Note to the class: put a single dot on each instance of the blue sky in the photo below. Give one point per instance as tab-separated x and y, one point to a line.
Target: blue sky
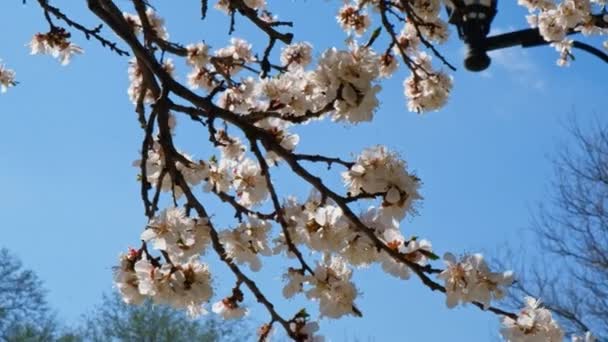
71	201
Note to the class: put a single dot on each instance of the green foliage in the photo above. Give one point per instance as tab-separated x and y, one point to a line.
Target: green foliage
113	320
25	317
24	313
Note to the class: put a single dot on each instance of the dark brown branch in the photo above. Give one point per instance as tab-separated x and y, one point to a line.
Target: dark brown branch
88	33
322	159
267	27
277	205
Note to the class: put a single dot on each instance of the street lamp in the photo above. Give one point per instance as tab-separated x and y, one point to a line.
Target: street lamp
473	19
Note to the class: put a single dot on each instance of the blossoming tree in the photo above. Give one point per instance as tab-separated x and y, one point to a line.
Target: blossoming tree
247	100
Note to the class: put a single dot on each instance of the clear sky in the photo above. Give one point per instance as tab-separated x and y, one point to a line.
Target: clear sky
70	200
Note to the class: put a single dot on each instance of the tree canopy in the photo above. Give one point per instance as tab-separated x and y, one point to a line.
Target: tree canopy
248	102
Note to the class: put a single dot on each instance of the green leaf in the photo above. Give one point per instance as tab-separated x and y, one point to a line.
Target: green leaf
374	36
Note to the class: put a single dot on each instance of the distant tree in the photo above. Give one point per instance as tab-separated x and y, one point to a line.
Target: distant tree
24	312
572	230
114	320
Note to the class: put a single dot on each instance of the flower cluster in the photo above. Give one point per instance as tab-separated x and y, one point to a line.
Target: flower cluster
138	90
555	21
304	329
157	24
297	55
533	324
55	43
182	286
378	171
179	236
244	243
229	307
182	282
470	280
7	78
352	19
333	288
425	89
343	80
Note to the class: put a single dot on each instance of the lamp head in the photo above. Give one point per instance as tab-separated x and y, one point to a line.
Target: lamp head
472	19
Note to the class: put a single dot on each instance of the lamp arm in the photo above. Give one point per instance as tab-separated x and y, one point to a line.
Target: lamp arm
525	38
591	49
531	37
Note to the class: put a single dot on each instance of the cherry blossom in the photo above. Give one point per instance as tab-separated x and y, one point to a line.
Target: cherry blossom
378	171
168	228
295	282
533	324
556	20
305	330
246	242
351	18
56	44
296	55
249	183
125	279
426	90
332	288
229	309
7	78
198	54
182	286
470	280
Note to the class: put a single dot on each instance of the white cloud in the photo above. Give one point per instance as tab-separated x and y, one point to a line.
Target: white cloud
514	59
517	62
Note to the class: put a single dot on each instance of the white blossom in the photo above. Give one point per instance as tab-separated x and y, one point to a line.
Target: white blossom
219	176
229	309
533	324
565	51
240	98
125	279
297	55
201	78
231	147
333	289
182	286
292	93
470	280
351	19
295	282
228	58
425	89
246	242
198	54
157	24
306	331
167	228
378	171
278	129
7	78
388	64
249	183
56	44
